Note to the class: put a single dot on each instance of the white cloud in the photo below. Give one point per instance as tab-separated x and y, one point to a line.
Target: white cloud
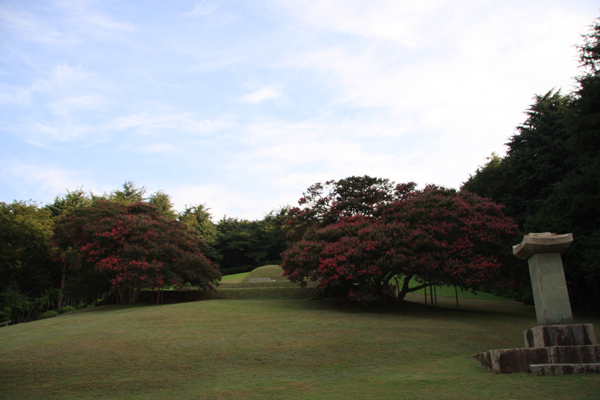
48	181
28	27
261	95
67	106
221	200
201	9
41	134
156	148
144	123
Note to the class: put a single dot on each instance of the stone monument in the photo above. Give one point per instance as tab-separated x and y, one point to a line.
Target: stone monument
542	252
555	346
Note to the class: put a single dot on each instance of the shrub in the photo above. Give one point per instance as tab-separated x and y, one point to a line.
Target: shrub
527	299
49	314
66	309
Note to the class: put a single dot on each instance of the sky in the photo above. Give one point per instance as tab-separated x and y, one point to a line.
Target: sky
242	105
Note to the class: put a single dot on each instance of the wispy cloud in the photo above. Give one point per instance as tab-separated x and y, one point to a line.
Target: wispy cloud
261	95
156	148
26	26
144	123
204	8
48	180
43	134
69	105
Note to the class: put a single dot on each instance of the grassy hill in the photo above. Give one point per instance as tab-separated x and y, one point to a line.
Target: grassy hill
276	349
240	287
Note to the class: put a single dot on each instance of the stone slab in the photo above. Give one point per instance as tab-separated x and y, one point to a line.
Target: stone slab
550	295
561	369
544	242
560	335
503	361
574	354
519	360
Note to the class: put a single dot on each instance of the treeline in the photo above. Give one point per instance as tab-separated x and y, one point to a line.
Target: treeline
549	179
44	250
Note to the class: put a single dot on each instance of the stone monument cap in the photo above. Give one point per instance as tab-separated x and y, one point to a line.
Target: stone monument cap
544	242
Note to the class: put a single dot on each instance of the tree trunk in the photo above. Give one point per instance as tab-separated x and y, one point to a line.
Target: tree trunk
63	274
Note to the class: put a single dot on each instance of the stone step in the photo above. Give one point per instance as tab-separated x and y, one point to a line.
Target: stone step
519	360
561	369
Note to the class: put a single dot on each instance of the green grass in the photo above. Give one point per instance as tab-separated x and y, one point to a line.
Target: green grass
234	278
268	271
449	291
276	349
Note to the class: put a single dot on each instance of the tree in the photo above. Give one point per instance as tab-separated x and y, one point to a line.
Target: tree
69	202
66	258
130	194
243	245
26	268
437	236
163	204
124	248
324	204
199	219
537	159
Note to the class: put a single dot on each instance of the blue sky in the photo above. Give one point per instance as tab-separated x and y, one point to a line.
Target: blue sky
241	105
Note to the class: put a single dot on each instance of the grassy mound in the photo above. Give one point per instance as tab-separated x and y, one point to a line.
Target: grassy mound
240	286
223	349
268	271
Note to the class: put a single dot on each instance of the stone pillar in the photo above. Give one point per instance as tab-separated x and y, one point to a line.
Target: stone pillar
542	251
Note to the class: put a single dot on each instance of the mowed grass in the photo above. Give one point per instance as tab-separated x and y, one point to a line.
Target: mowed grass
276	349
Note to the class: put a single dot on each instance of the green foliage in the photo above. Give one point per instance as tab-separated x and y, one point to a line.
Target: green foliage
243	245
27	270
66	309
129	194
5	314
163	204
199	220
24	255
49	314
69	202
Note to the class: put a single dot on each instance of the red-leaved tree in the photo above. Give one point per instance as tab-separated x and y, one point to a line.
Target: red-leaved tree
436	236
130	247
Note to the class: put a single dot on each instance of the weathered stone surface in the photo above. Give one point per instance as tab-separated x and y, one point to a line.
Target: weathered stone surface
518	360
560	335
550	295
560	369
512	360
544	242
574	354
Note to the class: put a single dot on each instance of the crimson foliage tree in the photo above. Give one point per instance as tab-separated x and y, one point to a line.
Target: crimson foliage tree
124	248
324	204
436	236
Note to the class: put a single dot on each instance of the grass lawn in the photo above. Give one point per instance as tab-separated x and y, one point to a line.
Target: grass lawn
239	286
276	349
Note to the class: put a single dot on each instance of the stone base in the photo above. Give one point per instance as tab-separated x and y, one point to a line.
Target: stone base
561	369
519	360
560	335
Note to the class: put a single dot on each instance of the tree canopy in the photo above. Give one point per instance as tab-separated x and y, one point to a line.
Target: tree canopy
124	248
435	235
